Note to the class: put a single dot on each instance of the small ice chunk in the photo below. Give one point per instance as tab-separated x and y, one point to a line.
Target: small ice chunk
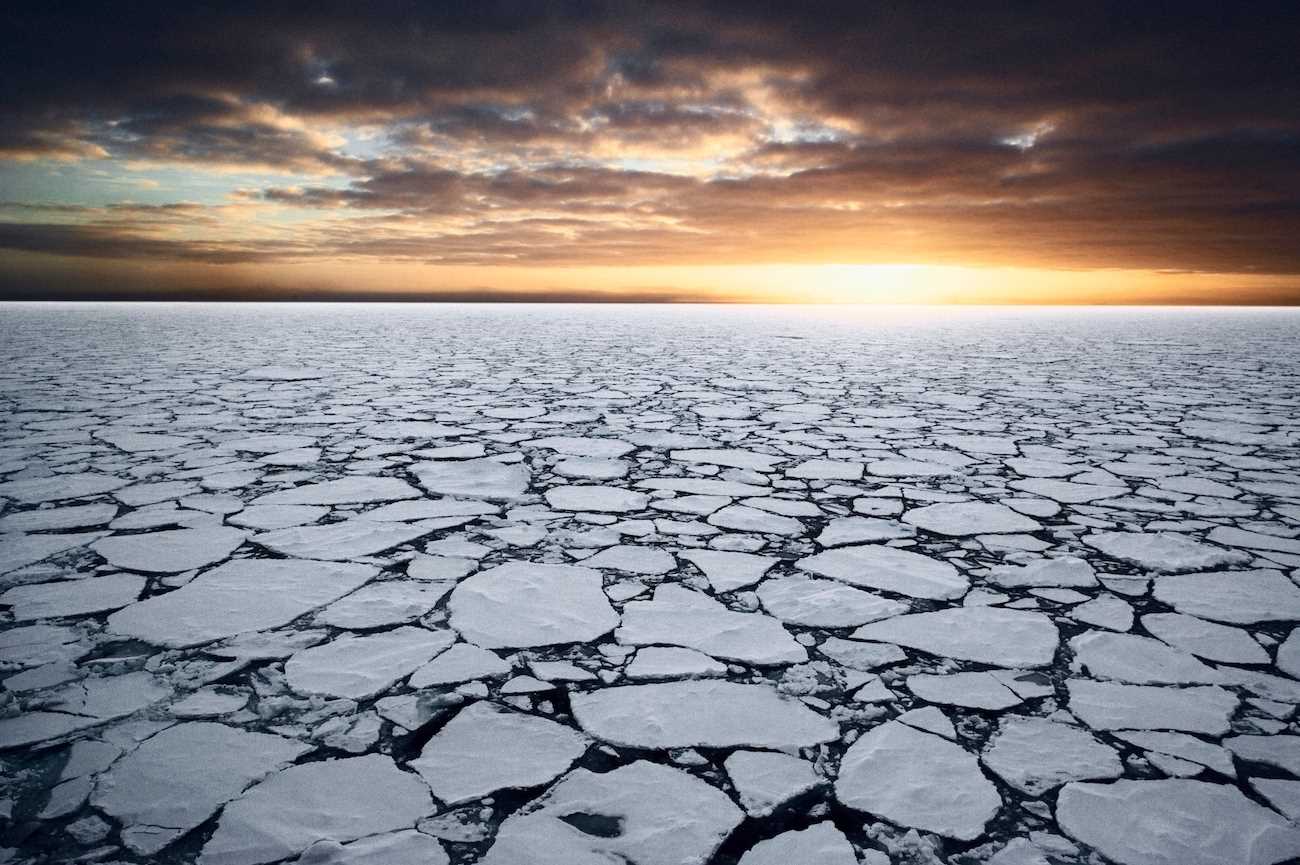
1105	611
583	446
862	530
277	516
976	690
58	519
1184	747
18	550
209	703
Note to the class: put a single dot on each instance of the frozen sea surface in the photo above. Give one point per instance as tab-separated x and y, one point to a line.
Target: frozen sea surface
619	585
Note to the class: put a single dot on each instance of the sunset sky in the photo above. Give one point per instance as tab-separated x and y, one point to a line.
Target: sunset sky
913	152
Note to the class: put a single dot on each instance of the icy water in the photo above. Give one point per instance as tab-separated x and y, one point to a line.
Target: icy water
571	585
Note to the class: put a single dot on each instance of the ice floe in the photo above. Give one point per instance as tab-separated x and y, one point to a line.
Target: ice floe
987	635
241	596
889	569
335	800
486	748
522	604
919	780
701	713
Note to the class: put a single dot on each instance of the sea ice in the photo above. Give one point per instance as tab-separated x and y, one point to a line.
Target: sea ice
889	569
1175	822
681	617
986	635
1112	706
1208	640
595	498
1163	552
179	777
486	748
699	713
238	597
821	843
1139	660
353	489
521	604
918	780
1035	754
672	662
461	663
638	814
766	780
1065	571
338	800
728	571
474	479
74	485
959	519
169	552
1236	597
824	603
73	597
361	667
346	539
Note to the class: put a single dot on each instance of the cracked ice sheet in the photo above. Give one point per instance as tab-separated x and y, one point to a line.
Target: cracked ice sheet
1076	475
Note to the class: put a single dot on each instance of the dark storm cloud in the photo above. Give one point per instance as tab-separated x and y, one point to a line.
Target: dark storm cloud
1080	135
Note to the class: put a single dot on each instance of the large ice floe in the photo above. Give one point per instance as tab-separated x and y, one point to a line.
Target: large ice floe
630	586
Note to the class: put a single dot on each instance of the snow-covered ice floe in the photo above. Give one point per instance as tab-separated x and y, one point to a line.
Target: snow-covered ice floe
649	586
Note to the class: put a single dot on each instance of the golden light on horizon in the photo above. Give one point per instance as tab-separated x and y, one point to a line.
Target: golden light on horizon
674	154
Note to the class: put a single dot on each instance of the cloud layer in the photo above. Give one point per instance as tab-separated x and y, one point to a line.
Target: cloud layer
585	133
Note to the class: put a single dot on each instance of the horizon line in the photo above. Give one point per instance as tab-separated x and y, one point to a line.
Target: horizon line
606	301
